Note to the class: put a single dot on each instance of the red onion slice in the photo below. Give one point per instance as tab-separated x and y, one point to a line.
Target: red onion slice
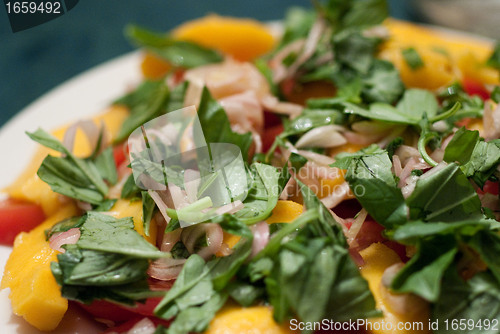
260	237
69	237
166	269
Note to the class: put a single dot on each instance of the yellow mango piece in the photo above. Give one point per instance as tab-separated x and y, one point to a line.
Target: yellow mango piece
246	320
29	187
124	208
377	258
285	212
34	293
446	57
243	39
153	67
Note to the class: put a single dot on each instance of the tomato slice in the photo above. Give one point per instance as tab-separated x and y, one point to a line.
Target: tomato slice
104	309
119	154
490	187
474	87
269	136
18	216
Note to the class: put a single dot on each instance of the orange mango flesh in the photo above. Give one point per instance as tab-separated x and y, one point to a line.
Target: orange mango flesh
34	293
29	187
446	57
283	212
125	208
243	39
246	320
377	258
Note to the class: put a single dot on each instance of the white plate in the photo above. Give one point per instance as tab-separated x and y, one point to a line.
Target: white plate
78	98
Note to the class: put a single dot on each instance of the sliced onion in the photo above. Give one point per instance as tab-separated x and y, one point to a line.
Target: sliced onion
244	109
179	196
69	237
213	234
491	120
91	132
316	157
272	103
85	206
165	269
396	165
323	136
357	223
280	71
160	203
324	172
337	196
170	239
145	326
260	237
231	208
360	138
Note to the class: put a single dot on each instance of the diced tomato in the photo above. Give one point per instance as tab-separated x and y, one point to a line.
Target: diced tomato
125	327
271	119
489	187
473	87
269	136
104	309
119	153
18	216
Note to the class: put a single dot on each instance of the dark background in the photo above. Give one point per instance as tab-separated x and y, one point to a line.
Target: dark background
38	59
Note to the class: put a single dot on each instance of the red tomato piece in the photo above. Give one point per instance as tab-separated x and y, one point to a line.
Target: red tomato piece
269	136
473	87
489	187
18	216
119	154
104	309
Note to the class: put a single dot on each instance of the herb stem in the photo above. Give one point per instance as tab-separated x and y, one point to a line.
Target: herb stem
422	144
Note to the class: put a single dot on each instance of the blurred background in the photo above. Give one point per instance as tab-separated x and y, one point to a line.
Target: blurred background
34	61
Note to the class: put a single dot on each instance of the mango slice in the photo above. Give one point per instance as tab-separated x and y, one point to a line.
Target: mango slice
243	39
29	187
34	293
246	320
285	212
379	257
125	208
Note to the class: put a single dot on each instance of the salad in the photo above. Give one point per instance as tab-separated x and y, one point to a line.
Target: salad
336	173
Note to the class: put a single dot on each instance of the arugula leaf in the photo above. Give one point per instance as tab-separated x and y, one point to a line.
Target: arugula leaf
477	299
412	58
245	294
178	53
262	195
458	200
210	113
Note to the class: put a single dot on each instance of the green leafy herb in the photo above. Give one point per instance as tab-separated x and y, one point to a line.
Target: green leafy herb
494	60
412	58
262	195
178	53
71	176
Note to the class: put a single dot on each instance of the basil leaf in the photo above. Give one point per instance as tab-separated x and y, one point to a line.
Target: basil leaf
446	196
147	101
103	233
477	299
148	208
494	59
105	164
178	53
422	275
210	113
461	146
262	195
373	184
